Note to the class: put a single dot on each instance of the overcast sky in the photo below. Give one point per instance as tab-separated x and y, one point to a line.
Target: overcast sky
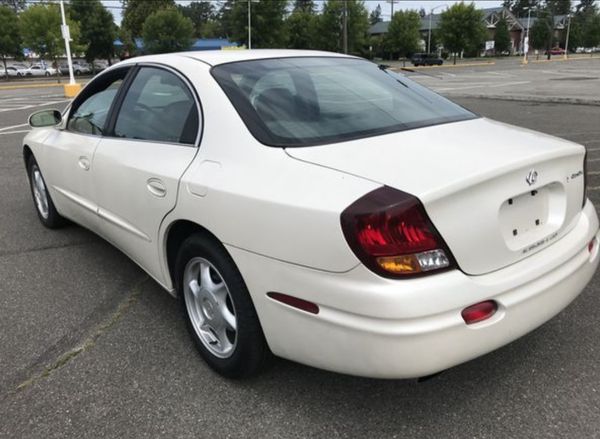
114	6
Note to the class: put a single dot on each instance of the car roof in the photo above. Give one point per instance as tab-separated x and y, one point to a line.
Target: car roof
216	57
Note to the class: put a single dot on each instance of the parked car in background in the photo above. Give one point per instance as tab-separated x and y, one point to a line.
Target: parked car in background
100	66
40	70
556	51
20	69
79	68
426	59
10	71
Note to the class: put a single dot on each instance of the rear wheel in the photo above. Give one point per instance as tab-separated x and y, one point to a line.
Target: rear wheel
47	73
44	206
219	311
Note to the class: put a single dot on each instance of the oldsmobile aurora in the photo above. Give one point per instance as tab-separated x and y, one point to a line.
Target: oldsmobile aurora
320	208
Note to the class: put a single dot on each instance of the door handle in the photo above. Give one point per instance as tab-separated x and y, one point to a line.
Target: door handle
156	187
84	163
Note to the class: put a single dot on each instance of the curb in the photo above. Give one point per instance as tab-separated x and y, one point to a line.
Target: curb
20	86
538	61
445	66
535	99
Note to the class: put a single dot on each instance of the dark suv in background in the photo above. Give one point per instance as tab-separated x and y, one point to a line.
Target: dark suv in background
426	59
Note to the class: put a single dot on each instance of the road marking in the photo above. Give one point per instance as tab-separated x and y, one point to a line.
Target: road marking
33	106
14	132
14	126
506	84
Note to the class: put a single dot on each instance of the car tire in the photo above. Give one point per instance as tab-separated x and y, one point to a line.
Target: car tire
44	206
219	312
77	72
47	74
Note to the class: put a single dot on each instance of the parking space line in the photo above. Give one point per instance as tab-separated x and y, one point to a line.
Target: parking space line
14	126
2	110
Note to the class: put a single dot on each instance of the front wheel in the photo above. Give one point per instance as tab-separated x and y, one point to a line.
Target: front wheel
47	73
44	205
219	312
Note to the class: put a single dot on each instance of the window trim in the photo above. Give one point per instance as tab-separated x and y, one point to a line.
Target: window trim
118	103
83	96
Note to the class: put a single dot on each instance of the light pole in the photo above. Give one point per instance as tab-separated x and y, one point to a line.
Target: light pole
526	40
429	34
567	40
249	22
72	88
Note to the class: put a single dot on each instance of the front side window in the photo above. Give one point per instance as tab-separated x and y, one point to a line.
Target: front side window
90	111
315	100
158	106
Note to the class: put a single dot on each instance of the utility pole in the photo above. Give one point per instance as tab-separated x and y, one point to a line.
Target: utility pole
567	41
391	2
250	22
345	33
526	40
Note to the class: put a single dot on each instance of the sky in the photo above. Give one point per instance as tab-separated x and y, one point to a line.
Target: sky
114	6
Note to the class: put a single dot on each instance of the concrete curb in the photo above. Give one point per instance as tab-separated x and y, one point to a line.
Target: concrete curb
453	66
535	99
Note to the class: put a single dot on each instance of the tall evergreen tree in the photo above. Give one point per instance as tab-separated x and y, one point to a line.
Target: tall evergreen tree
201	13
520	7
375	15
302	26
267	20
330	27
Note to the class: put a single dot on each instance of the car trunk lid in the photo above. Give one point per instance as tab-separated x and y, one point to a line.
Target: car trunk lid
496	193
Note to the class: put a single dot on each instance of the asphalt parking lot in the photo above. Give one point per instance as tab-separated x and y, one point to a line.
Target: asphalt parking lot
91	347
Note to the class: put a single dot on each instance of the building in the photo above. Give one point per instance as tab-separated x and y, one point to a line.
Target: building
517	26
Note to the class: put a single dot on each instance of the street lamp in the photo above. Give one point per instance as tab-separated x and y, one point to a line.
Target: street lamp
526	40
429	35
72	88
250	23
567	41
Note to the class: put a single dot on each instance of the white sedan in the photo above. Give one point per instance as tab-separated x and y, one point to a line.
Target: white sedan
320	208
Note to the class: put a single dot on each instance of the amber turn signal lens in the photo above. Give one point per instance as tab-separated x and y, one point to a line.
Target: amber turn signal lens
399	264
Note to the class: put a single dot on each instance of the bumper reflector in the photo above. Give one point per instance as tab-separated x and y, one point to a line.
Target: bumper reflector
479	312
304	305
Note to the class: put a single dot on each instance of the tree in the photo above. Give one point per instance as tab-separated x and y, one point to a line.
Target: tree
304	6
167	30
542	32
519	7
135	13
586	7
15	5
502	40
97	29
403	35
302	26
41	30
591	31
330	27
375	15
10	37
201	13
268	26
461	28
558	7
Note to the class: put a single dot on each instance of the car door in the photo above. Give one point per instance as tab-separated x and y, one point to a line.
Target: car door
69	150
137	168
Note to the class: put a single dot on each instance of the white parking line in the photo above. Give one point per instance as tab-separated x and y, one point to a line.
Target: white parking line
14	126
2	110
14	132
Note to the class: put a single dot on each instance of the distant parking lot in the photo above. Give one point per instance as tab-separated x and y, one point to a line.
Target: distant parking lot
91	347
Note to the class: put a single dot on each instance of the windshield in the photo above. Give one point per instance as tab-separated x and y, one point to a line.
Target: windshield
290	102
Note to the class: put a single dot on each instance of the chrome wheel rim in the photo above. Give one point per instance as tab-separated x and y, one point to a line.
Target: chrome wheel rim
39	192
210	307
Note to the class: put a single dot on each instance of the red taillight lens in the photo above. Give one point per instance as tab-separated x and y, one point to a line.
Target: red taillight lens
479	312
585	161
390	232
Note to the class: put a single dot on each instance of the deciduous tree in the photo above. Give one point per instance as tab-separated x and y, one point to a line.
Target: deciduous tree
137	11
10	36
97	28
502	40
268	27
167	30
461	28
403	36
201	13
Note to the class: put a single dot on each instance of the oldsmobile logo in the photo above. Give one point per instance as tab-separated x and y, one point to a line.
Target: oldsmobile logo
531	177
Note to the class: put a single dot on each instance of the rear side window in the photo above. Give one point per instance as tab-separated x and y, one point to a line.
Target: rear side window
158	106
309	101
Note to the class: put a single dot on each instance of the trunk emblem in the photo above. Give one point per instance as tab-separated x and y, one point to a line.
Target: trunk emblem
531	177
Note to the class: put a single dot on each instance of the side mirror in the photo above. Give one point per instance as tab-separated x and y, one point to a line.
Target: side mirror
45	118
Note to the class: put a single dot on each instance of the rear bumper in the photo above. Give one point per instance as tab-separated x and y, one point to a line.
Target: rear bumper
376	327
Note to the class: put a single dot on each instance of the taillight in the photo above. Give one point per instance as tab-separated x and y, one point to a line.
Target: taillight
585	181
390	232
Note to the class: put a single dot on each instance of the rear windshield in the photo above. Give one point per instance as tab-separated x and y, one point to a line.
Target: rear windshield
290	102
